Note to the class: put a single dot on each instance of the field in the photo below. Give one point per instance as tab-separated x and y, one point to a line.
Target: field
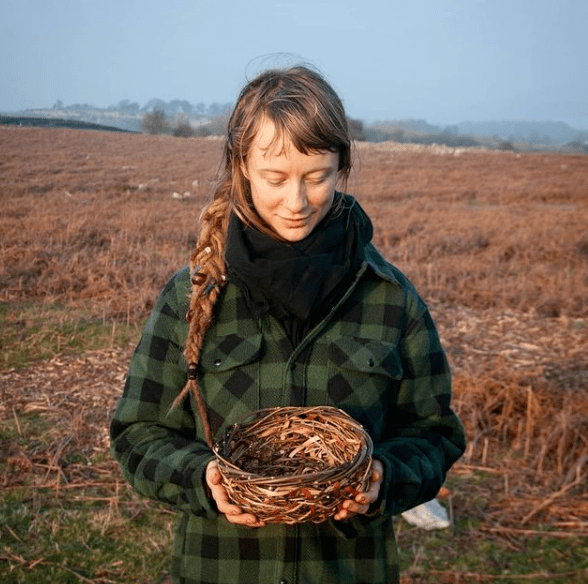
93	224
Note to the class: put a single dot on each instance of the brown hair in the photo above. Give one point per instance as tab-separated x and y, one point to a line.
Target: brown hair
306	111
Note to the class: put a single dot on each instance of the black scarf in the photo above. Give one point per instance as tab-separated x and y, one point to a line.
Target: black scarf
293	280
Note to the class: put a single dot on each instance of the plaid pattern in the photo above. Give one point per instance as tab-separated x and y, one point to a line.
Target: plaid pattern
376	356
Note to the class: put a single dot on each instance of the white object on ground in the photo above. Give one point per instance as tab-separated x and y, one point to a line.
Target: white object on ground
429	515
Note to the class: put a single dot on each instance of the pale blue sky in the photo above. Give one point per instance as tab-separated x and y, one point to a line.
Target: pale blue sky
444	61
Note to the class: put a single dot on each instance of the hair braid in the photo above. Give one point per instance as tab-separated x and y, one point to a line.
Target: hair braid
208	276
305	110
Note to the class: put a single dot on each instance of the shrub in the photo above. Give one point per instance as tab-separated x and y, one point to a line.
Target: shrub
216	127
183	129
155	122
507	145
356	129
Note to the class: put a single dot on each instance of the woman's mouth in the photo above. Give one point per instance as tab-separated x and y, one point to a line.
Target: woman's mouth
295	220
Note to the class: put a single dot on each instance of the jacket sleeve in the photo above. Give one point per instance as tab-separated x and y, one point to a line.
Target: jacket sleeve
158	448
424	436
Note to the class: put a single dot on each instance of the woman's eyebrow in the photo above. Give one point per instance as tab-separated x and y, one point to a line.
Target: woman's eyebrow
312	171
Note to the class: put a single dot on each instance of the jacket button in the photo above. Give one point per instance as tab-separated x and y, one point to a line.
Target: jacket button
217	362
283	582
370	362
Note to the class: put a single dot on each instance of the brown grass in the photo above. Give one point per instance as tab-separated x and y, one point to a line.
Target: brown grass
496	242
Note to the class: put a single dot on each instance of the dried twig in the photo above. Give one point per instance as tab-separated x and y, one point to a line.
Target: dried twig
481	577
580	479
531	532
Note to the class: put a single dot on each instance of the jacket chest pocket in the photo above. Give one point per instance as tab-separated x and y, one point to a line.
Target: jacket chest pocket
229	378
364	375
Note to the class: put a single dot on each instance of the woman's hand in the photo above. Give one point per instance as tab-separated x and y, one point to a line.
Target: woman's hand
362	501
232	512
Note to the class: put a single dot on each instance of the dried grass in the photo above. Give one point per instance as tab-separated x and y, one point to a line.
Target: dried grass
495	241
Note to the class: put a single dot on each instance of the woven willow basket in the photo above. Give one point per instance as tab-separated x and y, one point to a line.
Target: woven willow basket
294	464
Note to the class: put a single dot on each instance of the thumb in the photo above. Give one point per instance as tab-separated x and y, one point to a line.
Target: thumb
213	474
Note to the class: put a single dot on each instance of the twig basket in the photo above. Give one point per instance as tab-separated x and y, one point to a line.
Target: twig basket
294	464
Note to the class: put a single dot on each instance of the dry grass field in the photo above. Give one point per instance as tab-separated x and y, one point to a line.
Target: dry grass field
91	226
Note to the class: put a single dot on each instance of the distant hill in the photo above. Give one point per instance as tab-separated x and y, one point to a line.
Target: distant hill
127	121
533	132
126	115
56	123
525	136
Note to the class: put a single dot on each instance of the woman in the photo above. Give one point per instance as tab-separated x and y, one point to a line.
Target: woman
286	302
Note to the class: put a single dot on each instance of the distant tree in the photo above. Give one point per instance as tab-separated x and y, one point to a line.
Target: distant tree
218	109
80	107
154	104
356	129
177	105
214	109
451	130
507	145
186	106
183	129
398	136
203	131
126	106
382	134
155	122
173	107
216	127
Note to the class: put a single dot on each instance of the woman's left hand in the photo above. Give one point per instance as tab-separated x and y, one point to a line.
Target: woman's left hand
362	501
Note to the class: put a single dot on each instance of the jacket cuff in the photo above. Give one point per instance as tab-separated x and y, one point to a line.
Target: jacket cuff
198	494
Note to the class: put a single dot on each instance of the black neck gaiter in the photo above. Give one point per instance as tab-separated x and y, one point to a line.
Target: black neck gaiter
292	280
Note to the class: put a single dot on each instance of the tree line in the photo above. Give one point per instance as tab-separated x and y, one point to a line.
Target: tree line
173	107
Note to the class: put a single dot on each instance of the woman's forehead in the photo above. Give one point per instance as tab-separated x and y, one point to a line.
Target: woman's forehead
272	142
269	141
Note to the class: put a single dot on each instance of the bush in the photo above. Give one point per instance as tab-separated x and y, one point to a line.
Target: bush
183	128
507	146
155	122
356	129
216	127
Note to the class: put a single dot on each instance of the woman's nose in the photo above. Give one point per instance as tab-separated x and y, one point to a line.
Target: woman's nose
295	200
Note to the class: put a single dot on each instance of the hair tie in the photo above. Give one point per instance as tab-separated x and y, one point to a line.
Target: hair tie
198	279
192	370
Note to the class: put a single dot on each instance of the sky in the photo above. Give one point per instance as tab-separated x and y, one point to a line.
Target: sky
442	61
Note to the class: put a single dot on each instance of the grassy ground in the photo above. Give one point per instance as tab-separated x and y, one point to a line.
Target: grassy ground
33	331
66	514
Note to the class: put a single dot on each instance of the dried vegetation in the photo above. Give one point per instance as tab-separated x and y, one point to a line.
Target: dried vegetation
495	241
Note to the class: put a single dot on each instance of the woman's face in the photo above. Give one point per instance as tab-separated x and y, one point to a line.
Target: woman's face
291	191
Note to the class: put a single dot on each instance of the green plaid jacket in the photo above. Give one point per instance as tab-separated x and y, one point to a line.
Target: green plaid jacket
376	355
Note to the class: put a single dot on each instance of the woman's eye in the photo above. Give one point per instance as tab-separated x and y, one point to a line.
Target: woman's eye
317	181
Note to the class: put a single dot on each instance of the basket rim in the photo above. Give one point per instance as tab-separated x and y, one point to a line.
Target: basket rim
365	451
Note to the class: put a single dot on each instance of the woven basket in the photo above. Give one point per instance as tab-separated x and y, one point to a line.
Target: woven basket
294	464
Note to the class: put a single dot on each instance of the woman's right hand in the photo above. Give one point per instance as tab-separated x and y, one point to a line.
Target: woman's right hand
232	512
